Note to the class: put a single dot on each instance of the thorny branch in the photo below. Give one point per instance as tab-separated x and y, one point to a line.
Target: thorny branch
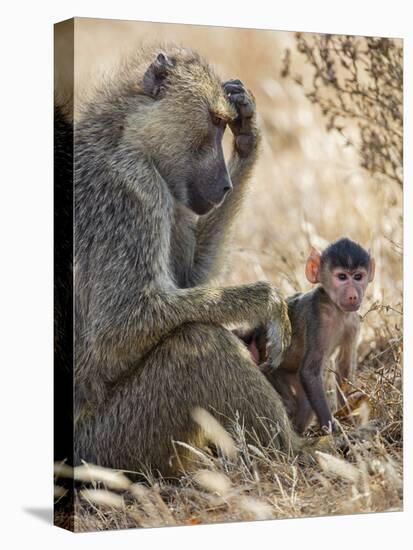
360	79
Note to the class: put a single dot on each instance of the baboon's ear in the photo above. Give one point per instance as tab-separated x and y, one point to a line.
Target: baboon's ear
155	75
312	267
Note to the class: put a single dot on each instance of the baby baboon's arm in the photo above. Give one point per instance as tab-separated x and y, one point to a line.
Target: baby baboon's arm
213	229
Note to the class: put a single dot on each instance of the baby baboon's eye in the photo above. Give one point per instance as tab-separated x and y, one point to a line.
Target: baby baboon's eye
358	276
342	276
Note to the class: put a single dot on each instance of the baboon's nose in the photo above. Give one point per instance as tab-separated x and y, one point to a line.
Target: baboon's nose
227	189
352	298
222	187
227	186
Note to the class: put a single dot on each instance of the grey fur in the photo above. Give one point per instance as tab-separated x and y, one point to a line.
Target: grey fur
150	342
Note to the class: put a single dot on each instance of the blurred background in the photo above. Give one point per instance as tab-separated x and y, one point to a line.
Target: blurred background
309	186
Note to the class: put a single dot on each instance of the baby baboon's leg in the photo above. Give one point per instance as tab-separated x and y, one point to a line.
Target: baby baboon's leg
304	410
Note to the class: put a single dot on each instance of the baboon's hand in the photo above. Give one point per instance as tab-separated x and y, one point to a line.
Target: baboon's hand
278	335
277	322
244	127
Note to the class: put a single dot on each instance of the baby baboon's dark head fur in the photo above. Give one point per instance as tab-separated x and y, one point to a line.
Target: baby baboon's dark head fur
182	126
345	253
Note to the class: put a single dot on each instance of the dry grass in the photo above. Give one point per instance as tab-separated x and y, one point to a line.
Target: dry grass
255	484
308	189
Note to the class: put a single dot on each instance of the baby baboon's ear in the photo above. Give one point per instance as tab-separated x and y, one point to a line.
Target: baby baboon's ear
156	74
312	267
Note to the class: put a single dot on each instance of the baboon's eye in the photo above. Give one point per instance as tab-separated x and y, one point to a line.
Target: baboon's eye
358	276
216	120
342	276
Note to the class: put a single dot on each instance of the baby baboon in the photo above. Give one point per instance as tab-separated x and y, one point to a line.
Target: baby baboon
323	320
154	204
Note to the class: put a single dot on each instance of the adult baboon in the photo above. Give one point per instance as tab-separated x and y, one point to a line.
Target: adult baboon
154	203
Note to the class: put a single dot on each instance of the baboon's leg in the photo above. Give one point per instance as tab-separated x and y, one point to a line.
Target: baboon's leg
282	381
295	400
198	365
304	410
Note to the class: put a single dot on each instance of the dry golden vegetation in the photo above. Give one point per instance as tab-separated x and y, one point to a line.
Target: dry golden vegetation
309	188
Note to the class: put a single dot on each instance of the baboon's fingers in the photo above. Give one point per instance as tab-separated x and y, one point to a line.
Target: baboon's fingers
238	94
234	89
244	104
240	98
233	83
243	127
278	339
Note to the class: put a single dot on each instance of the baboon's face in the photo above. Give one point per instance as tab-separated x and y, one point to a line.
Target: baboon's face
193	164
207	179
346	287
190	116
343	278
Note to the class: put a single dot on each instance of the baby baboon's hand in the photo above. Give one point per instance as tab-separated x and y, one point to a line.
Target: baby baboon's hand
244	127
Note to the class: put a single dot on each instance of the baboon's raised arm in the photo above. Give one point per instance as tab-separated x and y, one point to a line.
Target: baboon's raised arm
214	229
